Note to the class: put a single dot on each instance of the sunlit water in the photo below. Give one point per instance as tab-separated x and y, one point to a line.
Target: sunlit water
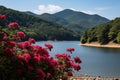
95	61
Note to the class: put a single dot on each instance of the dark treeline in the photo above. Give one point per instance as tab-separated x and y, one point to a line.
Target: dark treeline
36	27
103	33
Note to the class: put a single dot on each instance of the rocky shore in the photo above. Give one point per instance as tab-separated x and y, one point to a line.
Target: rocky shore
96	44
86	77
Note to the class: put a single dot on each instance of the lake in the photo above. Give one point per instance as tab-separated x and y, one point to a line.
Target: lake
95	61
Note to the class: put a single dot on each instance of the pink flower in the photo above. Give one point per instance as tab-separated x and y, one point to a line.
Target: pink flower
37	48
48	74
20	45
70	49
40	73
21	34
77	59
21	57
63	56
26	44
68	63
44	52
9	51
2	17
5	37
31	40
49	46
11	44
13	25
14	36
27	57
76	66
36	58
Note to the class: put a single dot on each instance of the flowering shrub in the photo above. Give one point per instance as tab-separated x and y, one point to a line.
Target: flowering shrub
21	60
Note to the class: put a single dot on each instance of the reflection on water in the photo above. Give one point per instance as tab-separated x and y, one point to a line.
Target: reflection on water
96	61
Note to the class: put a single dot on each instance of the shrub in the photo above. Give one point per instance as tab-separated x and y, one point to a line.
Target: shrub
21	60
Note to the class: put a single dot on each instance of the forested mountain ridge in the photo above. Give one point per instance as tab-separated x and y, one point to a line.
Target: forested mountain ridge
74	20
38	28
103	33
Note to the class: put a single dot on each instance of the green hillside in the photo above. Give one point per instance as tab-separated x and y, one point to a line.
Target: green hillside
73	20
36	27
103	33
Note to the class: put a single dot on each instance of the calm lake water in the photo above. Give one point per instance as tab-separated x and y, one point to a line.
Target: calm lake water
95	61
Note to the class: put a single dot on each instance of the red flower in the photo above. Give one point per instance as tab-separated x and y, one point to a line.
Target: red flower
2	17
49	46
30	68
9	51
63	56
11	44
76	66
13	25
70	49
40	73
31	40
77	59
26	44
21	57
36	59
21	34
27	57
48	74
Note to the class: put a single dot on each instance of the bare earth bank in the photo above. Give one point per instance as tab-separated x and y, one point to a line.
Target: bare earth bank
96	44
86	77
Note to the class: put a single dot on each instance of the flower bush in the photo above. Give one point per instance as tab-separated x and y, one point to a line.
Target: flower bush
21	60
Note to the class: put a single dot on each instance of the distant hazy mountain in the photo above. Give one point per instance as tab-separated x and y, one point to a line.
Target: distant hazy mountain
74	20
36	27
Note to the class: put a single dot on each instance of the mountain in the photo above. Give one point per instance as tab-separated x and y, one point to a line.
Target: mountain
74	20
36	27
53	18
30	13
104	33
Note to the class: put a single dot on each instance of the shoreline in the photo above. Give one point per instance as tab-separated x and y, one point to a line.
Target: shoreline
87	77
90	77
96	44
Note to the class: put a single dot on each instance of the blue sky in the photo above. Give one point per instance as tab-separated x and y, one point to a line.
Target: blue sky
106	8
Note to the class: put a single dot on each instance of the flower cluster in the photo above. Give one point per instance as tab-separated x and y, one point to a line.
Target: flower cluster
70	50
21	60
13	25
2	17
66	64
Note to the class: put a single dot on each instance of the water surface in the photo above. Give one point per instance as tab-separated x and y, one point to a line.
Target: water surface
95	61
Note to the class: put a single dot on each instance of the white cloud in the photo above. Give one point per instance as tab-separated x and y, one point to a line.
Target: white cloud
89	11
73	9
48	9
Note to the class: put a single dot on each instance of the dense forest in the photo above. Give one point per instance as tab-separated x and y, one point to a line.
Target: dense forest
74	20
36	27
103	33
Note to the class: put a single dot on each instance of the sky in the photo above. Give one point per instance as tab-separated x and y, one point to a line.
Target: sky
106	8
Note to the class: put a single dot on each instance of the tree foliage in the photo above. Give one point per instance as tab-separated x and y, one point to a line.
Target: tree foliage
36	27
103	33
73	20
